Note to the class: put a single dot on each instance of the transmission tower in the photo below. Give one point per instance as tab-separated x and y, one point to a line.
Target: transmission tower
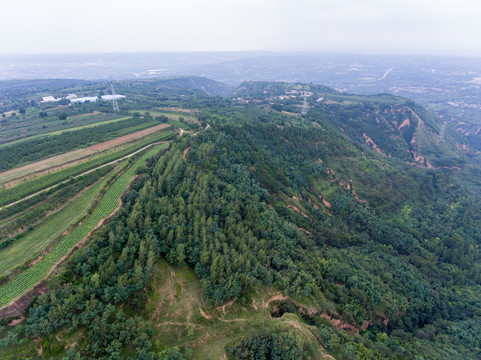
115	104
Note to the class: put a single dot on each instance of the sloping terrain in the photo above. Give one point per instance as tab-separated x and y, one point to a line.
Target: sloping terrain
392	126
210	87
272	234
175	85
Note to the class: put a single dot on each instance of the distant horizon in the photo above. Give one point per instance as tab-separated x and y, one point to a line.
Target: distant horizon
219	65
266	52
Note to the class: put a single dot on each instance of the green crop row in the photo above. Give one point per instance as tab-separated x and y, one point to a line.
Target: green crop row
32	186
27	248
28	278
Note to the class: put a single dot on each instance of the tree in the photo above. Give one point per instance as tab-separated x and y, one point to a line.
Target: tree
163	119
180	253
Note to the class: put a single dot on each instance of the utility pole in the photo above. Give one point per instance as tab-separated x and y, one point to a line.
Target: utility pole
115	104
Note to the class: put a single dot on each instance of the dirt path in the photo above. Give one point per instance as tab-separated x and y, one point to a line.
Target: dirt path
57	162
40	348
95	112
204	315
232	320
175	323
185	152
223	307
279	297
177	109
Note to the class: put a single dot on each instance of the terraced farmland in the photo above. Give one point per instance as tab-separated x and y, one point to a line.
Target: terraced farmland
109	202
61	131
23	189
36	149
40	238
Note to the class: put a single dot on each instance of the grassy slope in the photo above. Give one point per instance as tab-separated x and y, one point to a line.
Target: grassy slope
174	306
39	239
174	116
109	202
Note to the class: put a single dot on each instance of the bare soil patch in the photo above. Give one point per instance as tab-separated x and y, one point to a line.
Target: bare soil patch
204	315
279	297
223	307
185	152
17	321
406	122
95	112
304	230
18	306
296	209
371	143
40	348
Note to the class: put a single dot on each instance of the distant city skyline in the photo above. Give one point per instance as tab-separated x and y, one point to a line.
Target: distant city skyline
427	27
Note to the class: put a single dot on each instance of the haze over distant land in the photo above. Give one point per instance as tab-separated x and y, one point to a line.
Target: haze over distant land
394	26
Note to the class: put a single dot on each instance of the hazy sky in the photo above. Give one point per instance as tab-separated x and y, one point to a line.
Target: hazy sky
394	26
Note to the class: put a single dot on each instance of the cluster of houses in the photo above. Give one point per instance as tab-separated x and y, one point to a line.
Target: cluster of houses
288	94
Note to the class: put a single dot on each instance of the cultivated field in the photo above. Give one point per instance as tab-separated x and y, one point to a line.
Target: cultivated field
58	132
7	178
35	242
108	204
40	183
30	126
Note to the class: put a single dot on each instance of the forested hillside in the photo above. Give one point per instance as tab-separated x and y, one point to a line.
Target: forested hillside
370	248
